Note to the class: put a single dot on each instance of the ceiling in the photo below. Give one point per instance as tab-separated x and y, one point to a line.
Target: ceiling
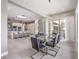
15	11
43	7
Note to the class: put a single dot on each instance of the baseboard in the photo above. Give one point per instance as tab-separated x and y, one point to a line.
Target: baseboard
4	53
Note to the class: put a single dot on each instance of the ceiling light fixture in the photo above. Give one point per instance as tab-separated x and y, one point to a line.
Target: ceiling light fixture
21	16
49	1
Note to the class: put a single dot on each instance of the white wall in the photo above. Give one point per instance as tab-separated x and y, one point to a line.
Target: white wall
3	27
70	28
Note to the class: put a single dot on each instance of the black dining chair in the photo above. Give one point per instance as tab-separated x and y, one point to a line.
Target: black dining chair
53	44
37	45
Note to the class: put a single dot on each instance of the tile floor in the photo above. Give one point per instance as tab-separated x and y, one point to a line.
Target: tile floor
22	49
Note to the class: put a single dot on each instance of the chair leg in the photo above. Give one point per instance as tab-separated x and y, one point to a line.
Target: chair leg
42	56
56	48
54	51
35	54
32	57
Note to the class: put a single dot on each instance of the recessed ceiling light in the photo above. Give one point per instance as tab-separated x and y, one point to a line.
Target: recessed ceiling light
8	8
22	16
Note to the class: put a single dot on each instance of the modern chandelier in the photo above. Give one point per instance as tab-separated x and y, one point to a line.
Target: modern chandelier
49	1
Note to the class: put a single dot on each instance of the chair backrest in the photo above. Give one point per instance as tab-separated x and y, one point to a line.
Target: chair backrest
34	43
54	41
57	38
